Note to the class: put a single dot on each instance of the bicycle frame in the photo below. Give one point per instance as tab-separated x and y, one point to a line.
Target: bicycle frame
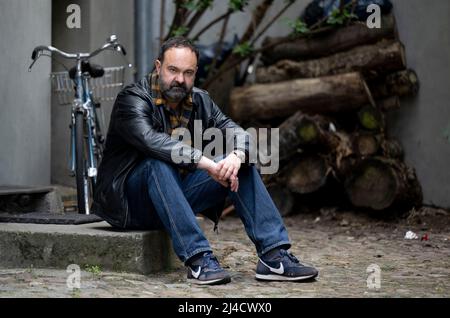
84	103
86	138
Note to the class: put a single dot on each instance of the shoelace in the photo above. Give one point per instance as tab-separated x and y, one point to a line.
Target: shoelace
290	256
210	261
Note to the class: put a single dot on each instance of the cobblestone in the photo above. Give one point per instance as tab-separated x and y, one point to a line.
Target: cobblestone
342	251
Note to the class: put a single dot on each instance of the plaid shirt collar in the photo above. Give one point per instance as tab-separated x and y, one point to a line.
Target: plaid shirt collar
159	100
176	120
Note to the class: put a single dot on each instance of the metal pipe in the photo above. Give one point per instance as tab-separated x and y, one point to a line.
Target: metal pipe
143	37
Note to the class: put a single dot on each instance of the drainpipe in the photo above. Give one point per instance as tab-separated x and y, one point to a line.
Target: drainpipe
143	37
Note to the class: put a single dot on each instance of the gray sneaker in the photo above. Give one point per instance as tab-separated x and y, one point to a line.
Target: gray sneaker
206	270
280	265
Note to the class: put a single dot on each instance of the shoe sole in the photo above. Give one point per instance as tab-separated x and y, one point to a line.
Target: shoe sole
219	281
283	278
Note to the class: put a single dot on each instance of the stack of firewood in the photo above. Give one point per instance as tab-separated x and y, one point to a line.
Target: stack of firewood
329	95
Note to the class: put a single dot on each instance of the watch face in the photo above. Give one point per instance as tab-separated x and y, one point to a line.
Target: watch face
197	157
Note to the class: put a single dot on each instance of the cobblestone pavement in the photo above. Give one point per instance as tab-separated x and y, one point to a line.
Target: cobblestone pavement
340	245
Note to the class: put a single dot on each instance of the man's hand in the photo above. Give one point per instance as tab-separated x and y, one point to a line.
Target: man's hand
219	171
212	169
228	170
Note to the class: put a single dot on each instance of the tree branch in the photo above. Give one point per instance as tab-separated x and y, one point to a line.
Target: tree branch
193	21
239	60
268	25
211	23
219	47
258	16
178	18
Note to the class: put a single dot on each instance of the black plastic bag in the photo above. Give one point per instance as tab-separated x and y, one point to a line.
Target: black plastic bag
207	54
320	9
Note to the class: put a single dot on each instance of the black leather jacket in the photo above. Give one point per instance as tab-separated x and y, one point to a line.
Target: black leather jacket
137	130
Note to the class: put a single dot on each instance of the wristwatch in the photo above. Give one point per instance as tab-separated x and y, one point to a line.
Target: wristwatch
240	154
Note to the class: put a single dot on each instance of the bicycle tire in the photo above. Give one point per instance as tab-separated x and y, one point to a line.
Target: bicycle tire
84	188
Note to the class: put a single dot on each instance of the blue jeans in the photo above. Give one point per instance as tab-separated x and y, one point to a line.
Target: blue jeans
159	198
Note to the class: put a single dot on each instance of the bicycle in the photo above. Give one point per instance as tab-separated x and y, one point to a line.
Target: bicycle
73	87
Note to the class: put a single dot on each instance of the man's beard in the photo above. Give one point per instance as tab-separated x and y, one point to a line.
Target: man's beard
174	92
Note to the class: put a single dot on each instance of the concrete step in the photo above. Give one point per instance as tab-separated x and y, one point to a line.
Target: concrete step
23	199
94	244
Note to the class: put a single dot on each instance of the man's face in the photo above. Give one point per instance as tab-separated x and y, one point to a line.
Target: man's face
177	73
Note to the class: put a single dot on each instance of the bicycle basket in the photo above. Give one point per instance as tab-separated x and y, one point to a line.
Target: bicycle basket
103	88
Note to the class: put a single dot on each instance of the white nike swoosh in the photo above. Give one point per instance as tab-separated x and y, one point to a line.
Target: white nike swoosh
197	273
279	270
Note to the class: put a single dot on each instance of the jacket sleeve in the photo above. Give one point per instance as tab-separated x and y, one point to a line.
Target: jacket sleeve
135	125
240	139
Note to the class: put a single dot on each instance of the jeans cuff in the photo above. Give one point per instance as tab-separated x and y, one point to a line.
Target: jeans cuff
195	252
271	247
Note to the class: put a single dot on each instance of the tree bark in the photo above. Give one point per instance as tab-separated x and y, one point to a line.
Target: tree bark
329	94
392	148
380	183
403	83
335	41
371	60
388	104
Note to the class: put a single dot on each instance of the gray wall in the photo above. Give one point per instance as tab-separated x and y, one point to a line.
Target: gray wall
99	19
422	124
25	97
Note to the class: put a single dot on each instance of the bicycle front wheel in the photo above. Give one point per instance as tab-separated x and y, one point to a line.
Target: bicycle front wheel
84	182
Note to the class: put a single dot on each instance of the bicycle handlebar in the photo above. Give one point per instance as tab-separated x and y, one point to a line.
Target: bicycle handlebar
111	43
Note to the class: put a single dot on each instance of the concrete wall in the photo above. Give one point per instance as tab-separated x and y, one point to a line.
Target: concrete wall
24	96
423	122
99	19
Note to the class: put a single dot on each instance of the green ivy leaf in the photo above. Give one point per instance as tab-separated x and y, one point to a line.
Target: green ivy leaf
237	5
298	26
244	49
339	18
180	31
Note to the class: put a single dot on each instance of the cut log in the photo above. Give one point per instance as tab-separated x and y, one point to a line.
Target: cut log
392	148
366	144
371	118
309	173
403	83
371	60
282	197
331	94
338	40
302	130
380	183
388	104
